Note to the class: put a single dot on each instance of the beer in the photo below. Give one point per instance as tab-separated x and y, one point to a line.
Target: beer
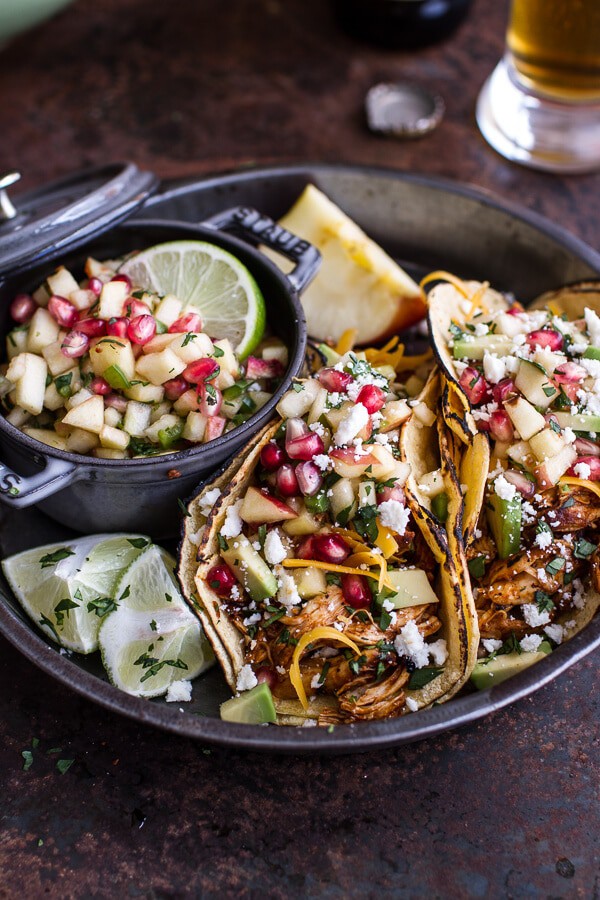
555	47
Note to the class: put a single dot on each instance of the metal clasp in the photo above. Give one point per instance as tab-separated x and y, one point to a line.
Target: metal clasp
7	209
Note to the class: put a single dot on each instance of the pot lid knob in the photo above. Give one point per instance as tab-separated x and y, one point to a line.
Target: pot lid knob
7	209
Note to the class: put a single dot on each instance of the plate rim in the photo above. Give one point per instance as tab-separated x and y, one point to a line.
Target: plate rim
359	737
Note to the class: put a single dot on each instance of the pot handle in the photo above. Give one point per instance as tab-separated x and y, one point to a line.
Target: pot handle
20	491
256	229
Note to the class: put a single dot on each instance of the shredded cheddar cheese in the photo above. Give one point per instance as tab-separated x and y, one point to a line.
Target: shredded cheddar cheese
332	567
321	633
581	482
346	342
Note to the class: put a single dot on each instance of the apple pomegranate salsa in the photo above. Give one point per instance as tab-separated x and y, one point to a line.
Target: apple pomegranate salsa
102	368
532	381
320	565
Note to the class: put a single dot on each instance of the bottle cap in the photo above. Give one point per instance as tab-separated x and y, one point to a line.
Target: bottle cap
403	109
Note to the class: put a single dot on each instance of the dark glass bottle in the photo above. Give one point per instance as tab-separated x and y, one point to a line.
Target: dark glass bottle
400	23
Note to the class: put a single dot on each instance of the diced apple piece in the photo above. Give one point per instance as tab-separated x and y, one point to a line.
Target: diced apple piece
260	507
432	483
311	582
88	415
57	361
386	465
16	342
395	413
112	416
114	438
112	351
158	343
228	361
546	444
509	325
43	330
343	499
93	268
46	436
188	402
16	369
548	473
304	523
109	453
80	441
145	393
78	398
260	398
525	417
137	418
215	426
168	421
520	452
194	428
41	296
18	417
348	464
387	371
61	283
31	386
168	310
112	298
500	451
82	299
277	352
295	404
161	409
160	367
318	407
367	495
190	347
535	385
52	399
424	415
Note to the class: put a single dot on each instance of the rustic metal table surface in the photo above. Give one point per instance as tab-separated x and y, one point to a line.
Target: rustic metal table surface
505	808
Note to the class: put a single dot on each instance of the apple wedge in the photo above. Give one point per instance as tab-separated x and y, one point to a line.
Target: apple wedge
548	473
259	508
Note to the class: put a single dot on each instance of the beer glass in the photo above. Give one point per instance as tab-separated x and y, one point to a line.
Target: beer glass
541	104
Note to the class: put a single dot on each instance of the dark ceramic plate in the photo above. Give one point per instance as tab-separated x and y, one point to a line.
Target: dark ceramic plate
426	225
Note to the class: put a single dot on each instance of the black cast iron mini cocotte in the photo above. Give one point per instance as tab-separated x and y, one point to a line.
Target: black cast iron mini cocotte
96	495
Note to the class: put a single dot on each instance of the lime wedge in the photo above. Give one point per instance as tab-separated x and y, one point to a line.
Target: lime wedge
67	589
152	639
211	280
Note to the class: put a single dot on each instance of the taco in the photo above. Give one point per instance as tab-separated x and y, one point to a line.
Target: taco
312	573
530	381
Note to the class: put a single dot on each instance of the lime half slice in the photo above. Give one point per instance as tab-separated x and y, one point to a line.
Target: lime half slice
210	279
67	589
152	639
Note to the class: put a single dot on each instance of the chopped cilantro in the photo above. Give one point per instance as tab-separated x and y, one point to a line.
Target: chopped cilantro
28	759
183	508
102	606
476	566
138	543
555	565
51	558
420	677
217	352
583	548
544	602
63	765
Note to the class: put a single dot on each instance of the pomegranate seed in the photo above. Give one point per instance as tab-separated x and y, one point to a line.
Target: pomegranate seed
309	478
201	370
92	327
134	308
524	486
211	400
594	465
587	448
63	311
99	386
553	340
125	278
267	675
286	481
334	380
569	373
95	286
306	550
75	344
356	591
190	322
141	330
263	368
221	579
117	327
175	387
305	447
390	492
331	548
474	385
22	308
272	456
503	389
515	310
501	426
115	401
371	397
483	426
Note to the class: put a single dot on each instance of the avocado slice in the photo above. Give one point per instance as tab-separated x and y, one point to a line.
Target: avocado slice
488	672
475	347
330	355
250	568
578	421
253	707
592	353
504	519
412	588
439	506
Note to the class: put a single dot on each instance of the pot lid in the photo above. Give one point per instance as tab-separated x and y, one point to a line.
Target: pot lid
39	225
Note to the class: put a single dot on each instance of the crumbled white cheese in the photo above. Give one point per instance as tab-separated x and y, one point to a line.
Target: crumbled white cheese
208	501
543	539
438	651
316	682
491	645
318	428
592	366
388	605
578	594
592	323
353	422
232	525
494	367
481	328
254	619
582	470
410	643
412	704
246	679
530	643
504	489
275	552
392	514
322	461
196	536
287	594
555	633
533	616
257	546
179	692
569	435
